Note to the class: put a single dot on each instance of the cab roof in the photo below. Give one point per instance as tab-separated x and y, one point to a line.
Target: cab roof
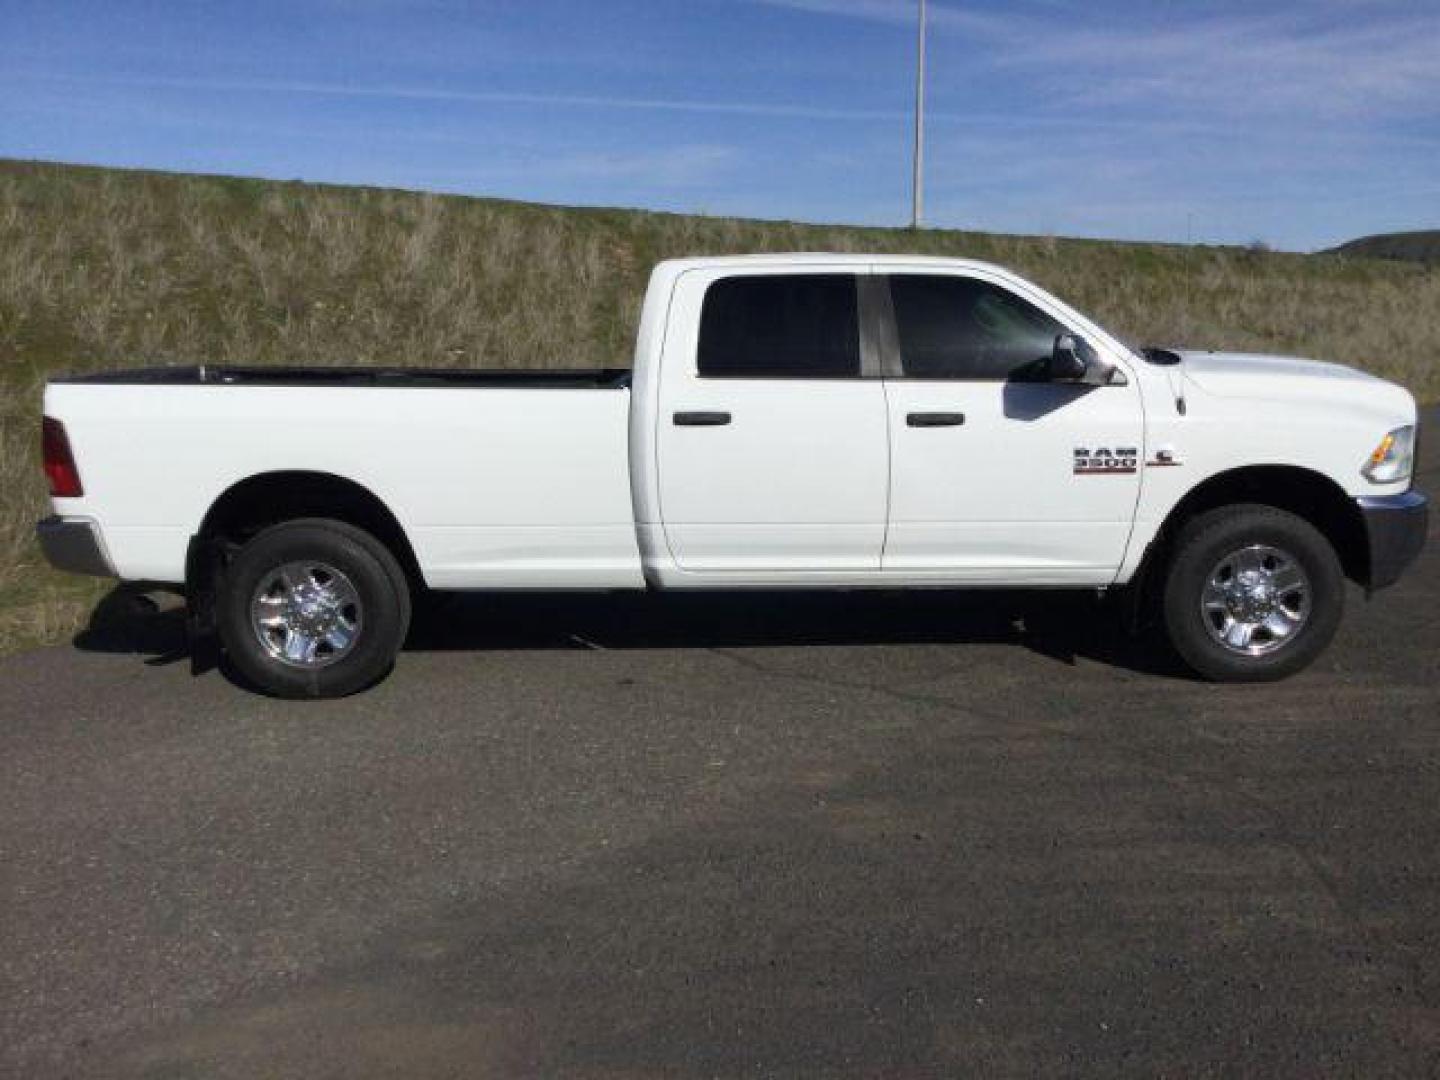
820	258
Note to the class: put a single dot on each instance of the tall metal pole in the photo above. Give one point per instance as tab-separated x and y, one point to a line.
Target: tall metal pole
919	183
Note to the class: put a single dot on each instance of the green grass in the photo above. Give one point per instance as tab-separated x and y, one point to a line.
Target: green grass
102	268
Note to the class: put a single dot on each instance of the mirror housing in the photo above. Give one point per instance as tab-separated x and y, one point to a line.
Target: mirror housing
1075	361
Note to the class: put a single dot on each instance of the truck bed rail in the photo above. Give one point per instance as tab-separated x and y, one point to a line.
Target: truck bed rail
457	378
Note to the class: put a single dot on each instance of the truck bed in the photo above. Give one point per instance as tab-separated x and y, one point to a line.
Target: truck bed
457	378
524	485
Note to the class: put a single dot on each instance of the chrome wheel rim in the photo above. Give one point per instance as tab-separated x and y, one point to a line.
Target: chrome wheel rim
306	614
1255	600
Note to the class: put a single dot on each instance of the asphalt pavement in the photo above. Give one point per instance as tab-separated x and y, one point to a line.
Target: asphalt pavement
865	835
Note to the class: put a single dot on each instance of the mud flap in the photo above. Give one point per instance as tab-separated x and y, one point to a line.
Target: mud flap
204	564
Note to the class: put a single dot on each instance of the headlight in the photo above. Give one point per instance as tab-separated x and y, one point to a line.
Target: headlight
1392	459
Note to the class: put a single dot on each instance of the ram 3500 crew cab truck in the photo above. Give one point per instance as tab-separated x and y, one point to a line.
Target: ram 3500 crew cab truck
797	421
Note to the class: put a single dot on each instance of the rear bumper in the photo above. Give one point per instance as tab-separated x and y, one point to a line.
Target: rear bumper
1395	526
74	545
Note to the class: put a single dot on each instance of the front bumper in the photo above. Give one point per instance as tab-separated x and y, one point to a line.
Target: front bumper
74	545
1395	526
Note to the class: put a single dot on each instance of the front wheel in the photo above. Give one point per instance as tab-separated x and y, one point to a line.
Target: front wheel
313	609
1253	594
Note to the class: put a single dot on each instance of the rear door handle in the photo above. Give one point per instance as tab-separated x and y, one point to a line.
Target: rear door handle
935	419
702	419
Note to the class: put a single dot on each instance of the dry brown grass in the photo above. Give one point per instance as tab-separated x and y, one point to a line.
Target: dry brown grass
101	269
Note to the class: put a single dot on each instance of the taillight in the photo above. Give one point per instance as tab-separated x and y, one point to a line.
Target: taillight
60	467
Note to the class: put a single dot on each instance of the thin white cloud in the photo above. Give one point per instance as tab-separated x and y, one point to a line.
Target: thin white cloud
774	110
1259	64
898	12
478	97
1329	58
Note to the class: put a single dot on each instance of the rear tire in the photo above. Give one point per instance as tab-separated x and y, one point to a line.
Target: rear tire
313	608
1252	594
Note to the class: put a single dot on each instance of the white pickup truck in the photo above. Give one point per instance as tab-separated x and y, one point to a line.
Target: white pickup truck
790	421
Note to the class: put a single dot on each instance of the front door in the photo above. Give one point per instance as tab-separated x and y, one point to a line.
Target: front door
772	445
995	476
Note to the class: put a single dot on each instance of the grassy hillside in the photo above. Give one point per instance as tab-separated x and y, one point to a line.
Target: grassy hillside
1421	247
101	269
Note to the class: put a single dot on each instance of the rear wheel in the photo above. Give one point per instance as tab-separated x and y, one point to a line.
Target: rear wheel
1253	593
313	608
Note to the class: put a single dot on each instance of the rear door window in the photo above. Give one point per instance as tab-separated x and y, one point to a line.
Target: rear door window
781	326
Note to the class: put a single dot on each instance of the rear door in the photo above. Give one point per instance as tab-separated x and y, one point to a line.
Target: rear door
773	453
996	477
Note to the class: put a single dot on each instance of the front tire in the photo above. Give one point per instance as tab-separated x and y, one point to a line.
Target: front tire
313	608
1252	594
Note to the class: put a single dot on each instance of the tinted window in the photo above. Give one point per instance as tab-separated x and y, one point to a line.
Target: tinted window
960	328
781	326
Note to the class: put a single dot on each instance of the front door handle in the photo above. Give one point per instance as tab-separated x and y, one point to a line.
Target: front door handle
702	419
935	419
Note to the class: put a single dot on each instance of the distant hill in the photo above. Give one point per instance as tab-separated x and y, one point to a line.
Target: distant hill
1421	247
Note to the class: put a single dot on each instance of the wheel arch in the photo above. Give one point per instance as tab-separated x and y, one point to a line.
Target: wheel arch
251	505
1304	492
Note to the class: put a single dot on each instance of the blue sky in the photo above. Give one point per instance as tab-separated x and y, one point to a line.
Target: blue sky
1301	123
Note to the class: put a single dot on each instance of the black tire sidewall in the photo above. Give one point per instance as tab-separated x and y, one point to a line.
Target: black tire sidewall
384	596
1208	539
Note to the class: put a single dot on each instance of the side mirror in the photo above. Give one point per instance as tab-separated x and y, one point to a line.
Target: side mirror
1074	360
